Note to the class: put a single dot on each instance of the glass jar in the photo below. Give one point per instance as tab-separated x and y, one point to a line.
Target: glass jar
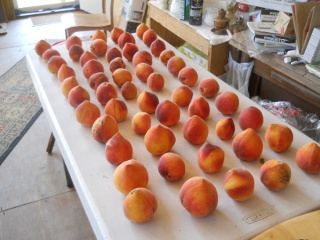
243	12
164	4
230	15
210	14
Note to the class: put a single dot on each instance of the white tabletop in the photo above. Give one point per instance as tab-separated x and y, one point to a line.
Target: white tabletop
92	174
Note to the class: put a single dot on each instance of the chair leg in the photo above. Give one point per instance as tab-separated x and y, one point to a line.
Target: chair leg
50	143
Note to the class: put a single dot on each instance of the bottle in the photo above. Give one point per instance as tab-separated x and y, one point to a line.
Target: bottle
243	12
195	15
175	8
184	10
230	15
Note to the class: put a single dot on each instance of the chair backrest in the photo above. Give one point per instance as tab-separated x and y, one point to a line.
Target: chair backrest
117	11
110	8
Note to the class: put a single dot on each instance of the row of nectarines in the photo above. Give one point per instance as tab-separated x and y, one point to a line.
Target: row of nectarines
247	145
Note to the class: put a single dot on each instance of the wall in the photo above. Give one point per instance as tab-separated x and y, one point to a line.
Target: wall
94	6
91	6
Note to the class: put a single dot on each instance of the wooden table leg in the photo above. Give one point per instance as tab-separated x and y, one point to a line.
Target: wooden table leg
254	85
218	58
50	143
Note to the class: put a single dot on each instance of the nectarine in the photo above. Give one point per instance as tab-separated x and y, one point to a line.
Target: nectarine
168	113
41	46
140	205
147	102
279	137
199	196
275	174
182	95
210	158
118	149
308	158
141	123
238	184
195	130
200	107
106	91
247	145
208	87
159	140
227	103
129	175
104	128
87	113
143	71
188	76
128	90
77	95
117	108
171	166
125	38
225	128
250	117
175	64
96	79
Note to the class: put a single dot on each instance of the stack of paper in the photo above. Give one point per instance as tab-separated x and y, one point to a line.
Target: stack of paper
266	37
312	52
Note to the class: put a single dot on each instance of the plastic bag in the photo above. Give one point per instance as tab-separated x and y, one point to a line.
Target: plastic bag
238	75
308	123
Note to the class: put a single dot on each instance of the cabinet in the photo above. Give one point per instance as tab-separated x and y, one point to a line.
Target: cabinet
275	80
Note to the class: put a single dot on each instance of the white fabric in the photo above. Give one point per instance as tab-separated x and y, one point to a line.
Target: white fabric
238	75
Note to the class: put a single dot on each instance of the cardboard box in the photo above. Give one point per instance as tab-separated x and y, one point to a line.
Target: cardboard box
305	18
284	24
194	54
132	14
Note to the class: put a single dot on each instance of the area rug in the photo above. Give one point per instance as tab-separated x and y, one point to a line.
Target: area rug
48	18
19	106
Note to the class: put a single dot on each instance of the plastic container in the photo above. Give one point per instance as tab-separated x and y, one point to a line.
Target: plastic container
210	14
175	8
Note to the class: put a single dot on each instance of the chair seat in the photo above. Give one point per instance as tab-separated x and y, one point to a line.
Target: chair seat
85	20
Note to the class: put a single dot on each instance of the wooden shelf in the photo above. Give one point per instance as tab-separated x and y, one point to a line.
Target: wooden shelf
176	31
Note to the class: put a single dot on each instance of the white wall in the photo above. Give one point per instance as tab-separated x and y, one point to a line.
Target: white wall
94	6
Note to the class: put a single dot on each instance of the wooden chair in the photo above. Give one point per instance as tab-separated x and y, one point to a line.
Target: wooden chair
77	22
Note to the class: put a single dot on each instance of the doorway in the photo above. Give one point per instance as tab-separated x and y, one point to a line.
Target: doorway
28	6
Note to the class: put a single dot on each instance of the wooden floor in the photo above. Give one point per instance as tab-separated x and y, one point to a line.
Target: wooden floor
35	202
